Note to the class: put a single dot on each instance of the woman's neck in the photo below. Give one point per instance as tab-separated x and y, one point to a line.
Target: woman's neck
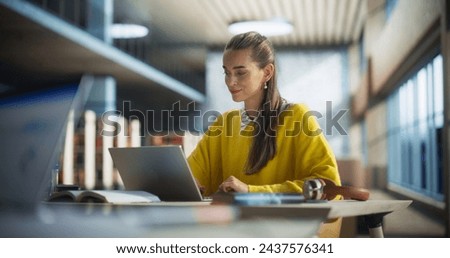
253	106
252	111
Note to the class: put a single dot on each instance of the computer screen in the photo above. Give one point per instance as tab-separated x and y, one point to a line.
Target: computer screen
32	130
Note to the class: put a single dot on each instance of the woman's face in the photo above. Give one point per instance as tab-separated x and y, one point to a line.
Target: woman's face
245	80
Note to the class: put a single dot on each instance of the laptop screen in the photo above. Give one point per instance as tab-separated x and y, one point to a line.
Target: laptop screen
32	129
160	170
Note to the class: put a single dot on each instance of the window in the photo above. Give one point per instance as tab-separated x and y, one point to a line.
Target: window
389	7
362	55
364	146
415	121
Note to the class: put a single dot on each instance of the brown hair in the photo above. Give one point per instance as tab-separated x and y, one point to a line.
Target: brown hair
264	144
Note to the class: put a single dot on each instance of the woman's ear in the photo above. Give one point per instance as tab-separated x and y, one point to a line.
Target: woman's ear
268	72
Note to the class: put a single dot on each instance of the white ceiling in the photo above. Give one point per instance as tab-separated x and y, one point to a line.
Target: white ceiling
317	23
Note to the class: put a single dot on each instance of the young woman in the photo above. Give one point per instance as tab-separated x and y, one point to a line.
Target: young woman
268	146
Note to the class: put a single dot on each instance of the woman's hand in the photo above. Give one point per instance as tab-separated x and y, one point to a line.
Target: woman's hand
201	188
232	184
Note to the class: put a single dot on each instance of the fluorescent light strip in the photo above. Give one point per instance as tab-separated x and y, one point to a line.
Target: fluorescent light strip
127	31
274	27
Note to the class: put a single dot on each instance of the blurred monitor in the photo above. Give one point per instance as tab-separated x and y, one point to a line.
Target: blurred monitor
32	130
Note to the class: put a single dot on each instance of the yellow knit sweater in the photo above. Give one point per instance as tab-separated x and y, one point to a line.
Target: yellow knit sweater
302	153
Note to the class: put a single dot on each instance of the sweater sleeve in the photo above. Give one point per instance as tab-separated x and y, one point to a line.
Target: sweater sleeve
199	162
203	158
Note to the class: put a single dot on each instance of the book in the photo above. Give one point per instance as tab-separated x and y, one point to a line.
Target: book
256	198
104	196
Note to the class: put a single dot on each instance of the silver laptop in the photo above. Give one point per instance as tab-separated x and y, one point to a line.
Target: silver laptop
160	170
